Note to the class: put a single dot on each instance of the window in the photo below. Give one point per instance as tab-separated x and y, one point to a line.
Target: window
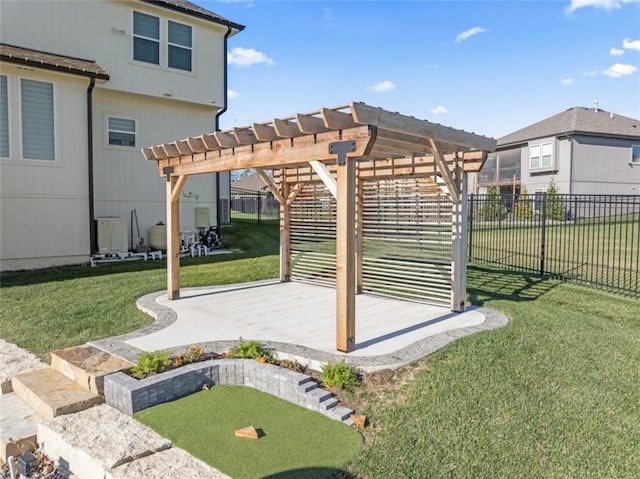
635	154
179	46
146	38
541	156
168	45
4	118
121	131
38	135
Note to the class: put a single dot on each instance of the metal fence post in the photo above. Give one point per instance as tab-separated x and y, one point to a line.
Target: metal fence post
543	234
470	233
259	208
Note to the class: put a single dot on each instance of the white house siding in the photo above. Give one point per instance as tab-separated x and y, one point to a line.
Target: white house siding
124	181
102	31
604	167
44	209
167	104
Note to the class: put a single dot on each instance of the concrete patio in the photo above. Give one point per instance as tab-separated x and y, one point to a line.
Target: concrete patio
298	321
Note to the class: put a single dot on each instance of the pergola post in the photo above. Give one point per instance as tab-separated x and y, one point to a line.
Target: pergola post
174	188
359	231
459	245
345	257
285	233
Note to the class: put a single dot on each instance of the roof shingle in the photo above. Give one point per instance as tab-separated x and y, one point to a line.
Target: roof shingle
576	120
189	8
52	61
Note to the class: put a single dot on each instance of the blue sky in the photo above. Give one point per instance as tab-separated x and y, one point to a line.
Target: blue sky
490	67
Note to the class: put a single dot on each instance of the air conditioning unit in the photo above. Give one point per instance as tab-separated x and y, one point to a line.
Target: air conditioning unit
112	235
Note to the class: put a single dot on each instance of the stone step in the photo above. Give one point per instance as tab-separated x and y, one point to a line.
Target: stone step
50	393
87	366
328	403
99	440
18	430
15	360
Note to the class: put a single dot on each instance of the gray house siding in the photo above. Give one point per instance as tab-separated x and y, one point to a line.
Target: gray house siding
603	166
559	171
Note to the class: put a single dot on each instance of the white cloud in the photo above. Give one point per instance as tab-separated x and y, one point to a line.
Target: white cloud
231	94
631	44
439	110
592	73
383	86
604	4
567	81
248	2
245	57
469	33
616	52
619	70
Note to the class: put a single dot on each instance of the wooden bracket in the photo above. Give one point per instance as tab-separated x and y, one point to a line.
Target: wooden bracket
273	188
449	180
325	175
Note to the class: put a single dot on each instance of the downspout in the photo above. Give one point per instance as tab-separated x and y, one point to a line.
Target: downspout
92	223
219	113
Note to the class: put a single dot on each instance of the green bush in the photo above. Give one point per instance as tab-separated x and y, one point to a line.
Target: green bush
152	362
524	205
250	350
493	209
340	375
555	209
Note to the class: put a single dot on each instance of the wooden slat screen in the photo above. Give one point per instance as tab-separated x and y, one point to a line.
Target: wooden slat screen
407	240
313	235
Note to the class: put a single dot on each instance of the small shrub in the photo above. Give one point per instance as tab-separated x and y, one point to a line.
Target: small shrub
193	354
251	350
152	362
524	205
340	375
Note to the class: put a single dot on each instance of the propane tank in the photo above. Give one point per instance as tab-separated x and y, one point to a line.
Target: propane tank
158	236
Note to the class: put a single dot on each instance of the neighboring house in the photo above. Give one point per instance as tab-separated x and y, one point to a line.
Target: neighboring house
251	183
83	87
584	151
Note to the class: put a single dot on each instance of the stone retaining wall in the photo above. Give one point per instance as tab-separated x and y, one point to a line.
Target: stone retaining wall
131	395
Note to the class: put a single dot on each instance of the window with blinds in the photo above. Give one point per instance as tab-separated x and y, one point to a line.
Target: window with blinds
179	46
4	118
121	131
146	38
38	130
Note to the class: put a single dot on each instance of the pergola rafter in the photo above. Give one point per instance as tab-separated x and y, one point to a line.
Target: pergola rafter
339	147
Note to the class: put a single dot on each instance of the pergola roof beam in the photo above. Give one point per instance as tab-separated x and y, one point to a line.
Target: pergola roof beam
286	128
244	136
264	132
196	144
310	124
385	120
336	120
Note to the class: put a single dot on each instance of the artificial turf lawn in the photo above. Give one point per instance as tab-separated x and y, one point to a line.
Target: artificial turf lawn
294	442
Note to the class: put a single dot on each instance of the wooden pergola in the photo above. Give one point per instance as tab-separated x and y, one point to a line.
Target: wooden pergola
341	147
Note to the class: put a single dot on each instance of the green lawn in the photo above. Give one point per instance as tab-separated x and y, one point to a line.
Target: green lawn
554	394
57	308
295	442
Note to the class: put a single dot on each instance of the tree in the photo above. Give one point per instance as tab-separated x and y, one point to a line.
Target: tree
555	209
524	205
493	209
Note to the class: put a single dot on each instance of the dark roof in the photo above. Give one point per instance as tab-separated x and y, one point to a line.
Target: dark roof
575	121
188	8
250	183
52	61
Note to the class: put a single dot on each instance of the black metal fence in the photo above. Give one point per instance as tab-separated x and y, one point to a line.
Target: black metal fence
253	206
590	239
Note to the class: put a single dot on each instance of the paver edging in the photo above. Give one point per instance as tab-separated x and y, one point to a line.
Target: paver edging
131	395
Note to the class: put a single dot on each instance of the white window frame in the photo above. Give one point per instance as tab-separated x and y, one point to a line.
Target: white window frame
537	155
163	44
182	47
108	130
156	40
55	159
635	155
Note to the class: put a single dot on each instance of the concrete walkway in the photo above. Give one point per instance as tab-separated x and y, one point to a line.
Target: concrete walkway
298	321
